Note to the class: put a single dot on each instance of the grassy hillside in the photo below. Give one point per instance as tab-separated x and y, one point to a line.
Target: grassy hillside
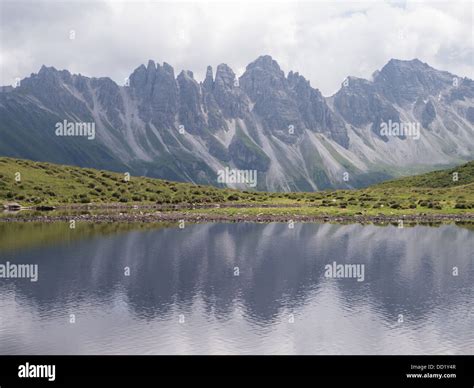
46	183
49	184
436	179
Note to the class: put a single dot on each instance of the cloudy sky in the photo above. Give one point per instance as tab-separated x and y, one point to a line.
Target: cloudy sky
324	41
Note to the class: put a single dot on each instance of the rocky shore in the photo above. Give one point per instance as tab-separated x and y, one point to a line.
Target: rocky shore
177	216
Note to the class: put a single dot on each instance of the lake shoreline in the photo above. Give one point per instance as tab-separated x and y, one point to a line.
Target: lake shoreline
177	216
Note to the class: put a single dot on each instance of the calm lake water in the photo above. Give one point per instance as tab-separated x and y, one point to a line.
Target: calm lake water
182	295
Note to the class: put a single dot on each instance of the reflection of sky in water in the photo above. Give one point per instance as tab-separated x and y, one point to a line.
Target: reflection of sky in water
190	272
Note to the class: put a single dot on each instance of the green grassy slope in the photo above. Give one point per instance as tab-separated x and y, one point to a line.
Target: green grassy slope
50	184
436	179
47	183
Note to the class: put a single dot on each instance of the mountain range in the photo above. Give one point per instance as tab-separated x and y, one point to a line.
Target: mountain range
175	127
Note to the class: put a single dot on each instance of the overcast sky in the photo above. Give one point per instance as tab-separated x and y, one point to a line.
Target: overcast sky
324	41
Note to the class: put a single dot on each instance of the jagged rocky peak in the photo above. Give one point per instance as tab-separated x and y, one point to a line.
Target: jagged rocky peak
151	65
165	71
406	71
209	80
48	80
264	65
265	62
302	87
49	74
138	78
406	64
355	83
398	83
261	76
225	76
167	68
190	103
156	88
47	70
186	75
403	81
295	78
144	75
359	103
227	93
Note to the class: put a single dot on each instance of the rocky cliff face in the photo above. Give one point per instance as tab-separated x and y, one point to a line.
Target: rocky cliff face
176	127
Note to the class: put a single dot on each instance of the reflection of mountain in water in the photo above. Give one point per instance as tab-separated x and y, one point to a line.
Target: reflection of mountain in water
408	271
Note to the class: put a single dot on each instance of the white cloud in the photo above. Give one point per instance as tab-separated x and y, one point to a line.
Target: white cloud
324	41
